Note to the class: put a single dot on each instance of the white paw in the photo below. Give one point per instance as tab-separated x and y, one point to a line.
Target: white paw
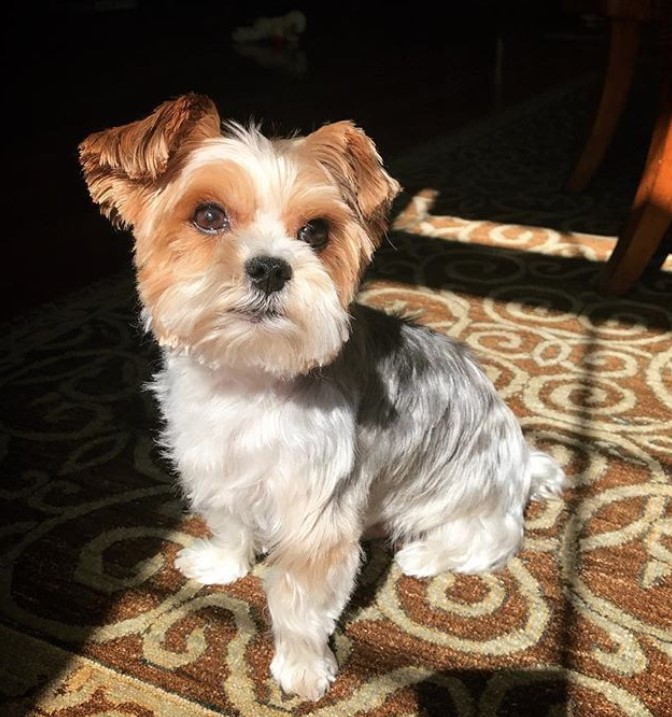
417	560
307	676
210	564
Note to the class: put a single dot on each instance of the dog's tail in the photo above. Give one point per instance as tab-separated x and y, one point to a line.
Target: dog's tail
547	479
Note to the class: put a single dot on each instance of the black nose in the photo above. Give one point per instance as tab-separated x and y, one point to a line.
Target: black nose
268	273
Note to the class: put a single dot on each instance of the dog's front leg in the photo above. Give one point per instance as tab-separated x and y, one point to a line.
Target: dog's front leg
223	558
307	588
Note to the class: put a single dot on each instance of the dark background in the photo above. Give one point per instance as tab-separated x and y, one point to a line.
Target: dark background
405	73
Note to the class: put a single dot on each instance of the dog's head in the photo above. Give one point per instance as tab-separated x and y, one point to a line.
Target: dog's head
248	250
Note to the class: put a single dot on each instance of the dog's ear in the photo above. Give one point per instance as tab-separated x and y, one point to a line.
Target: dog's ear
121	164
353	161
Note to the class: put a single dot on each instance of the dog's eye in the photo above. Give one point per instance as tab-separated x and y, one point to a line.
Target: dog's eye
315	233
210	218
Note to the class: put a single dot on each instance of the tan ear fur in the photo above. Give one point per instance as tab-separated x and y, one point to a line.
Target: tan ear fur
122	163
352	159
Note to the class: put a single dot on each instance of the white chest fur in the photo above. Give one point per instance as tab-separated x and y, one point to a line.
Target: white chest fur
253	443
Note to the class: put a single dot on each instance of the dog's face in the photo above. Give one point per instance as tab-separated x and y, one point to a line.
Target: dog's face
248	251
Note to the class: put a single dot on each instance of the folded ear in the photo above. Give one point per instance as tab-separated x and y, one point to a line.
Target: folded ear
353	161
121	164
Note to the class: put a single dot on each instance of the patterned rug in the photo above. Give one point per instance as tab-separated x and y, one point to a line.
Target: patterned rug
96	620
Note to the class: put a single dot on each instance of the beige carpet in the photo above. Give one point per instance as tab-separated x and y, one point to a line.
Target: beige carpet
96	620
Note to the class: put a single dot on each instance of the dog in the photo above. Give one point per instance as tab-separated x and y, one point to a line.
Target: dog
299	420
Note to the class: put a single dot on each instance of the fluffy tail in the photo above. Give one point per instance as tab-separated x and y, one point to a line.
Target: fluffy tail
547	479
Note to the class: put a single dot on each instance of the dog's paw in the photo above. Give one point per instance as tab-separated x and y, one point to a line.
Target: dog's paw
211	564
417	560
307	676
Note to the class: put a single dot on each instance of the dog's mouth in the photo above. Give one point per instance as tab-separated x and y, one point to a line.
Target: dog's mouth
258	317
261	310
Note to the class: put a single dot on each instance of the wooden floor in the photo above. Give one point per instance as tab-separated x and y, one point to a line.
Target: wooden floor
403	77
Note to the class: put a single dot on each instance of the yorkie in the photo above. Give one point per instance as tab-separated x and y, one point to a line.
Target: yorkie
298	419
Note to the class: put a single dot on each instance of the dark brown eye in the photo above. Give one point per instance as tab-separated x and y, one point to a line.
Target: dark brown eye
210	218
315	233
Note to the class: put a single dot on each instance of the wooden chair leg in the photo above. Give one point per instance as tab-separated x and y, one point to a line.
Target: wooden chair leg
624	44
651	213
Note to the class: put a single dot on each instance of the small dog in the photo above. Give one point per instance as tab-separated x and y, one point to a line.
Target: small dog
297	419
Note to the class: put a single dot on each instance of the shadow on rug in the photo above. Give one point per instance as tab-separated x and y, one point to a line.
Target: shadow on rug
95	617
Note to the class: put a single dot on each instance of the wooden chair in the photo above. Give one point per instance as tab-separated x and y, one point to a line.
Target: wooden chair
642	242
